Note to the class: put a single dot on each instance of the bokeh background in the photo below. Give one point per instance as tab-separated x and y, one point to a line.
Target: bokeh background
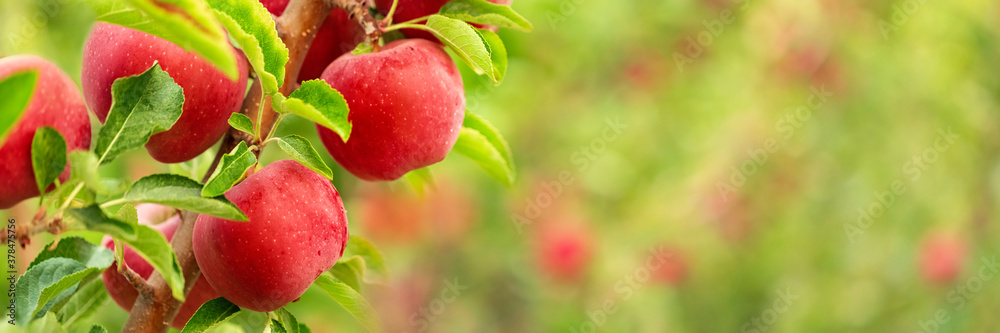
684	166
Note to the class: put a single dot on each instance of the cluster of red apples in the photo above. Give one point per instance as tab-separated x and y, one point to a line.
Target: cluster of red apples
406	102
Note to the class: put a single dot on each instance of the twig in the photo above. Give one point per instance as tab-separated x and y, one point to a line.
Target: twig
357	10
137	281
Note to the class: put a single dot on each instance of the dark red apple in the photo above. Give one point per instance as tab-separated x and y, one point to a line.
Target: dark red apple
338	35
112	52
297	231
57	103
413	9
125	294
406	105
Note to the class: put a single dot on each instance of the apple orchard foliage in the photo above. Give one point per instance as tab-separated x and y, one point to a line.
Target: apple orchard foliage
175	82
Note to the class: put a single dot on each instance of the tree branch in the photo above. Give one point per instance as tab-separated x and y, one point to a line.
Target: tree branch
358	10
297	26
137	281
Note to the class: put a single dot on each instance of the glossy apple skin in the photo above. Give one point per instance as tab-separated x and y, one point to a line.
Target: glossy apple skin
412	9
297	231
112	52
338	35
406	105
56	102
125	294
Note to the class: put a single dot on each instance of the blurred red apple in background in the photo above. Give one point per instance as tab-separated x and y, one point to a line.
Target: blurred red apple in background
673	270
445	213
564	251
942	257
393	216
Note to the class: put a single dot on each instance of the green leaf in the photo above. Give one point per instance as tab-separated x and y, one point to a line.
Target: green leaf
62	289
48	156
250	25
287	320
95	220
467	43
31	285
187	23
78	249
152	246
420	180
128	214
374	263
302	151
182	193
210	315
196	167
349	271
98	329
251	321
317	101
304	329
83	304
484	12
364	48
482	142
230	171
241	123
83	166
498	53
17	91
144	105
47	324
276	327
351	300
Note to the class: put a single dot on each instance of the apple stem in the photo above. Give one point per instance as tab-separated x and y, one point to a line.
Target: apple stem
297	27
409	23
392	10
113	202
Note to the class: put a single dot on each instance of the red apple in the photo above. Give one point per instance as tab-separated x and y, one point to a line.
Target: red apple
56	103
297	231
125	294
338	35
413	9
942	257
112	52
406	105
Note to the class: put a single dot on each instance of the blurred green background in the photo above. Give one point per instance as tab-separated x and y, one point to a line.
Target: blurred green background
785	157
